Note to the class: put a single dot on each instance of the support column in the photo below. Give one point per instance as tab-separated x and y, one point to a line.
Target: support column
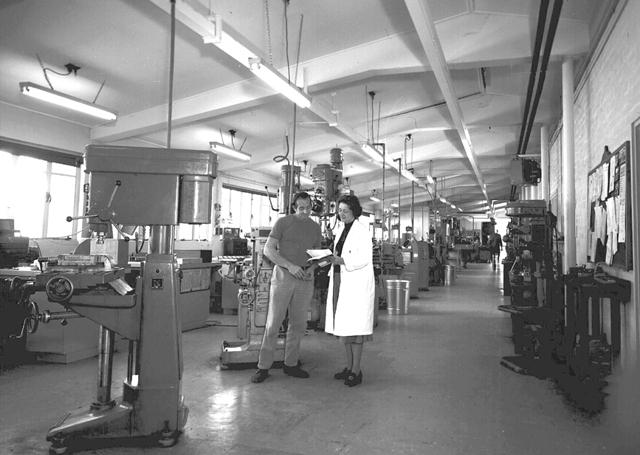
544	162
568	159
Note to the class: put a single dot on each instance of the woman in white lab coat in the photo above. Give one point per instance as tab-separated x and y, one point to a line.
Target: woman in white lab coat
350	298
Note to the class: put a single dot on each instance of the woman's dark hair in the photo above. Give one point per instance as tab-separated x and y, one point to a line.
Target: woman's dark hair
353	203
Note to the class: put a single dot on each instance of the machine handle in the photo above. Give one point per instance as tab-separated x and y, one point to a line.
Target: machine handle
603	279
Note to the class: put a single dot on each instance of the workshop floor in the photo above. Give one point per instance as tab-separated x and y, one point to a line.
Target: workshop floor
433	384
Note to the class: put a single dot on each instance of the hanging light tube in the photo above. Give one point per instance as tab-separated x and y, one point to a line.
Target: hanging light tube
222	149
212	32
278	82
408	175
371	152
64	100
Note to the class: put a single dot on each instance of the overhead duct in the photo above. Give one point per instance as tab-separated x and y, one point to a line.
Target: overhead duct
544	35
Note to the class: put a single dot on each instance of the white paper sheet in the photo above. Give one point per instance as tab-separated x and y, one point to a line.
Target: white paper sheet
622	210
605	181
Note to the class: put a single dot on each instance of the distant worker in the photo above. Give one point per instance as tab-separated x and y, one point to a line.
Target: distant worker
474	254
350	297
495	245
291	286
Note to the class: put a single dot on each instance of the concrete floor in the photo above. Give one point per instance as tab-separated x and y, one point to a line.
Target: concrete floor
433	384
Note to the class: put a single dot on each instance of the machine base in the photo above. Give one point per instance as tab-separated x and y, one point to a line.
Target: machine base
244	354
112	426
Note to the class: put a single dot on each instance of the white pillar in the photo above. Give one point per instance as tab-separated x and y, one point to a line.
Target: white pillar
544	162
568	158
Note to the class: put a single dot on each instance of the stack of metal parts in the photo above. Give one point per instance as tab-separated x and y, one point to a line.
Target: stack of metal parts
13	249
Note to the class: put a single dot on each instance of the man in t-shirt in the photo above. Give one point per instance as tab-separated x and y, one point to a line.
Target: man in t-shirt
291	286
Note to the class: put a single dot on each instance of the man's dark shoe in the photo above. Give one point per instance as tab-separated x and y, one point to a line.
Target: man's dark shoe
342	375
296	371
260	375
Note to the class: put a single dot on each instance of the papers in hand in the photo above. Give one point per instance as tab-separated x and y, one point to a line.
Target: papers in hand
321	256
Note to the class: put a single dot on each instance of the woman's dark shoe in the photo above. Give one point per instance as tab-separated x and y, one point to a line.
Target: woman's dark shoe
342	375
353	379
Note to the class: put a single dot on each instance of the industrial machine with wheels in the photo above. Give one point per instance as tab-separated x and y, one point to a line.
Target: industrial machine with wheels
253	303
130	186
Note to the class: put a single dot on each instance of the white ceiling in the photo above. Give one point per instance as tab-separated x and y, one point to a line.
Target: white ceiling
348	48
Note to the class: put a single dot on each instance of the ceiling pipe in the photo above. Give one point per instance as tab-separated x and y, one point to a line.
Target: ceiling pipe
533	72
551	33
536	78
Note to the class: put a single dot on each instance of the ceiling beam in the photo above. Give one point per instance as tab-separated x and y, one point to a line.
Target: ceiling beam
212	103
388	55
425	27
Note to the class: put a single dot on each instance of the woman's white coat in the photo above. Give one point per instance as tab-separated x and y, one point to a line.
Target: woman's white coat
354	310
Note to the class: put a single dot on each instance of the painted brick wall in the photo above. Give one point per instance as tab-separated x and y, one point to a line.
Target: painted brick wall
605	106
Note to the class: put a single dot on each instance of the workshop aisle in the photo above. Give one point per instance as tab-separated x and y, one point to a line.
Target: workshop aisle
433	384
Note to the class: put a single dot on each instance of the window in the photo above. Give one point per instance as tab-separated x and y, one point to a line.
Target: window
37	194
240	208
245	209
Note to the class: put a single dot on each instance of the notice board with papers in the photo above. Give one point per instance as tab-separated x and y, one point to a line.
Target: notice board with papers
609	236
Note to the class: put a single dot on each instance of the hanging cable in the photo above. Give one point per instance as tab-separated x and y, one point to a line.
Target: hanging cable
378	132
286	38
366	109
293	155
268	24
171	67
372	94
280	158
99	91
295	76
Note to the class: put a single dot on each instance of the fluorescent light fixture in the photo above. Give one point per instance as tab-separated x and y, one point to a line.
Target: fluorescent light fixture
453	206
394	204
407	174
305	180
70	102
374	199
371	152
430	180
278	82
222	149
212	31
443	200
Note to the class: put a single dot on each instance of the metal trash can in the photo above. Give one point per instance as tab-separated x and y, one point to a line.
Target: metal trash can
412	278
397	296
449	275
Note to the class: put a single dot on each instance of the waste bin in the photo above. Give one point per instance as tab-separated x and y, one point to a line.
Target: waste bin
397	296
412	278
449	275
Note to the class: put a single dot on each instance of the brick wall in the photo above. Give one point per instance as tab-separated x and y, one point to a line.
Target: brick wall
605	106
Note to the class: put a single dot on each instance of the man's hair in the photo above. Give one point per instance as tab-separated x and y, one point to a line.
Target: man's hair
353	203
296	197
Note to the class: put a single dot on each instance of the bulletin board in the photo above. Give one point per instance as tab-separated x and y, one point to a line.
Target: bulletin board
609	185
